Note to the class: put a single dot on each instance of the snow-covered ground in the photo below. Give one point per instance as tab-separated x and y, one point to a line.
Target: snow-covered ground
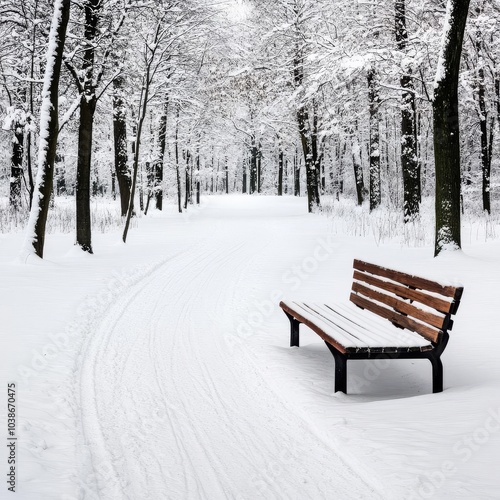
161	369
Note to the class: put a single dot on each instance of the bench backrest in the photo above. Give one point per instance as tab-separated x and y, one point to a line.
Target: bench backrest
418	304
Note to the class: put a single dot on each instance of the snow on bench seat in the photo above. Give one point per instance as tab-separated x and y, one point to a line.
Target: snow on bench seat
353	330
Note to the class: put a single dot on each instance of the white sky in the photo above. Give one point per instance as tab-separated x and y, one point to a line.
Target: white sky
238	9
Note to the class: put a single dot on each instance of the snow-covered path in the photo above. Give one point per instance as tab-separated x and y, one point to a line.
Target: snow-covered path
161	368
173	408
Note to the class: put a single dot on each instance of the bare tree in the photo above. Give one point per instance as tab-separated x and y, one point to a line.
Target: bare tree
49	129
409	156
88	79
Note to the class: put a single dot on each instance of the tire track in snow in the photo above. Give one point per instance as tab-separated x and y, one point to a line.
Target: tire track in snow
177	414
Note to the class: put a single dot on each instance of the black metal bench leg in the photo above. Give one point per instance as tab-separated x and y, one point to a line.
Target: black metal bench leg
294	331
340	369
437	374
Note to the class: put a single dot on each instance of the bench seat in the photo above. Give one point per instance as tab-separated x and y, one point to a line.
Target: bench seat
351	330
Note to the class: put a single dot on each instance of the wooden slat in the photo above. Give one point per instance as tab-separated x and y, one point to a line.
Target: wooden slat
426	331
313	327
407	279
400	306
436	303
348	317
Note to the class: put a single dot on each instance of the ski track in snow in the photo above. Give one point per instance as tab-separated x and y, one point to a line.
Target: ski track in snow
171	411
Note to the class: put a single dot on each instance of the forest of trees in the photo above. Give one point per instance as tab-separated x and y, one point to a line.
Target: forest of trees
384	102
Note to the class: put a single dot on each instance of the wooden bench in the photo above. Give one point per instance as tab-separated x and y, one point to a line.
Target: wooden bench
411	319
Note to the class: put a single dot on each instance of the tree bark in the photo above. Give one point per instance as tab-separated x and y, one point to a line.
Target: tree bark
447	130
88	101
85	131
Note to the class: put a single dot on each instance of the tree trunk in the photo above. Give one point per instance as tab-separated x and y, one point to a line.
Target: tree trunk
244	185
188	183
113	184
49	128
409	156
150	182
485	148
303	118
177	169
31	182
29	166
162	139
280	172
285	174
296	174
16	169
253	167
60	178
139	167
198	184
259	168
120	144
217	176
85	130
358	169
141	190
137	143
311	175
374	103
497	95
143	105
447	130
483	122
316	157
88	101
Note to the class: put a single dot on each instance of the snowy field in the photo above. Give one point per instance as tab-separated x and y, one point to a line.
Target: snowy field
161	369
